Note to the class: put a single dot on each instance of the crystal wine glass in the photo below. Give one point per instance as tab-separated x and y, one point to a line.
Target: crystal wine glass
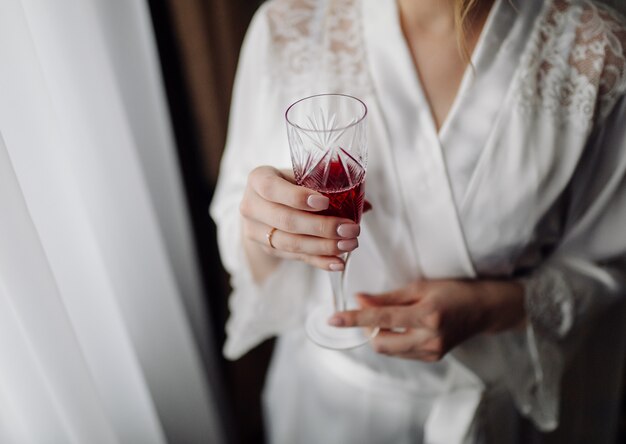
327	140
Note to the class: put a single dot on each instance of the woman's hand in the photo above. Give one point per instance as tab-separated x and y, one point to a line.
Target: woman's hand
429	318
272	200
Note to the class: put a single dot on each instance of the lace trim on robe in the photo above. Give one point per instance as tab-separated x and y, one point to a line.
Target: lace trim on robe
575	67
318	42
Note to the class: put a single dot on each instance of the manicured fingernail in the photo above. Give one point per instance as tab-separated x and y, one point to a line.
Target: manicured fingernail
317	202
336	267
348	245
336	321
348	230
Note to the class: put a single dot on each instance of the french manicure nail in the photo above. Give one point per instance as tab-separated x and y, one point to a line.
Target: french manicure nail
336	321
348	230
336	267
317	202
347	245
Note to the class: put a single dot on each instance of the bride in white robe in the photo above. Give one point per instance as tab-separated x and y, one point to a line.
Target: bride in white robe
525	180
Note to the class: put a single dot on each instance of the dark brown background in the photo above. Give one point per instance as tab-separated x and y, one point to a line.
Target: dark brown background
198	43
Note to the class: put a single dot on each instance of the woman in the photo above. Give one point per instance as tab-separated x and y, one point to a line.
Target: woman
496	238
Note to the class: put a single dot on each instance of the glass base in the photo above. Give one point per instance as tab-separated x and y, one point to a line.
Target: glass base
335	338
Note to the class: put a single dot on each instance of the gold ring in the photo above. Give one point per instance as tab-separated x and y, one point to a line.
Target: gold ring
269	235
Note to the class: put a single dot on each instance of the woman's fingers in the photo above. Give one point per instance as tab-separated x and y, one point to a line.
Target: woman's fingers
383	317
272	203
297	243
271	185
327	263
416	343
402	296
391	342
294	221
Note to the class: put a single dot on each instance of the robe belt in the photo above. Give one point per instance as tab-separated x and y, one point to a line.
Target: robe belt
453	408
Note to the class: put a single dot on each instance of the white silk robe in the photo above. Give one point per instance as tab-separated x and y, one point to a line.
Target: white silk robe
525	180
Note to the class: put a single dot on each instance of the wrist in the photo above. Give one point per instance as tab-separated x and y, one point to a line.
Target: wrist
261	264
503	304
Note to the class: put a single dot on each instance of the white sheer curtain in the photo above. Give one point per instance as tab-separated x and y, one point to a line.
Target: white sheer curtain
102	336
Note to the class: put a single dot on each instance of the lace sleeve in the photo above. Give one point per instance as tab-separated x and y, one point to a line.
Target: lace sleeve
561	298
318	44
575	67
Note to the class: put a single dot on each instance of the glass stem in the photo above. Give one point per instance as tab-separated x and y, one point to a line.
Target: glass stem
336	281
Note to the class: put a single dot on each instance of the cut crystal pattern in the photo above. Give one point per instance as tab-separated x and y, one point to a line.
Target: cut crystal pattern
328	154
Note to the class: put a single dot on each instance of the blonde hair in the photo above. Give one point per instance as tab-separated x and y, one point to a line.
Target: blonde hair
462	10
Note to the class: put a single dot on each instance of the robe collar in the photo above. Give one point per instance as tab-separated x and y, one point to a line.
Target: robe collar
433	221
436	168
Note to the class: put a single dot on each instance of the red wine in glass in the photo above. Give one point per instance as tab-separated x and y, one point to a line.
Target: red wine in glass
341	180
